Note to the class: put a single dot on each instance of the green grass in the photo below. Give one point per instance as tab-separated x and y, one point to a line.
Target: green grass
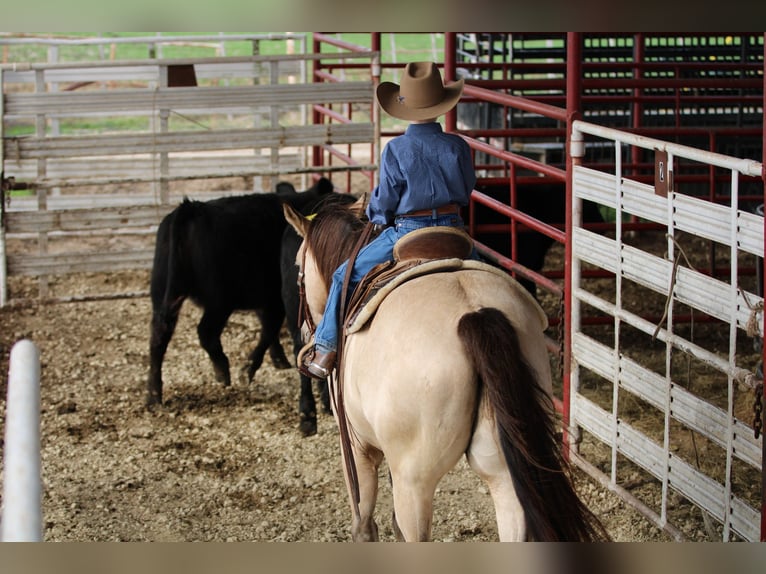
399	47
120	51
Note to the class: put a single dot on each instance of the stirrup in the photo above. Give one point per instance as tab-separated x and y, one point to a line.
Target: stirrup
305	356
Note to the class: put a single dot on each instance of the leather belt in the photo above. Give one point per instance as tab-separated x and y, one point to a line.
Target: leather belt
449	209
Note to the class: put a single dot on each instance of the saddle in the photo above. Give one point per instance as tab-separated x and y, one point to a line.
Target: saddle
420	252
441	247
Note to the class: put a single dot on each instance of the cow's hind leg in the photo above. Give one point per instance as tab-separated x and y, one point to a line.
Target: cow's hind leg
272	320
271	325
164	319
209	331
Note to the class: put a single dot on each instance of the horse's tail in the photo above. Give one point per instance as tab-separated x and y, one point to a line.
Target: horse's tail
525	425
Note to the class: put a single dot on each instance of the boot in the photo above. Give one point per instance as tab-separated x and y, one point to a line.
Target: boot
321	364
314	363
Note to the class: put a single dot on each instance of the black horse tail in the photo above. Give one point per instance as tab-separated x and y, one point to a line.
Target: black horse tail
523	412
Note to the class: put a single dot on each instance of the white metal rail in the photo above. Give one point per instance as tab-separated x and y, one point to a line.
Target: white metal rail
742	233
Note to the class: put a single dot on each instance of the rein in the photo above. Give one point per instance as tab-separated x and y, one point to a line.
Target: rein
336	381
345	437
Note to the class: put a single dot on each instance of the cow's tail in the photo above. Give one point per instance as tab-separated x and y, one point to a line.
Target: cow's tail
166	267
525	425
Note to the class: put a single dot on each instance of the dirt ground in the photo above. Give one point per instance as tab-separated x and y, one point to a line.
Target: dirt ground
213	464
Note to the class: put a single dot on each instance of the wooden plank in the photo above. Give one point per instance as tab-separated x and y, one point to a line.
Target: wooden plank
134	166
129	143
92	262
199	99
85	219
107	201
272	172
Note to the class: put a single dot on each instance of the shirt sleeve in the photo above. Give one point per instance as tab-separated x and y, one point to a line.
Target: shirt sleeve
385	197
467	169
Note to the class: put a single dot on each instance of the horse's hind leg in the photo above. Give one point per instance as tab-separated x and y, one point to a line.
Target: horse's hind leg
488	461
413	506
363	527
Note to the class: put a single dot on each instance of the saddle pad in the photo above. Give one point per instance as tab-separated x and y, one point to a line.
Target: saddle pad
438	242
367	310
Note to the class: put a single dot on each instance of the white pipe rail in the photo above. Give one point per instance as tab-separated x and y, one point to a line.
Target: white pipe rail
22	485
745	166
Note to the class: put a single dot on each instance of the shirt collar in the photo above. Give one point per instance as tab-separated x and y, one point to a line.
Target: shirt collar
429	128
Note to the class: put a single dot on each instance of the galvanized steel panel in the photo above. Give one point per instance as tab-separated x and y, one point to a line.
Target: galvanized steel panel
639	199
698	487
744	520
596	357
594	248
641	450
702	218
746	447
705	293
595	185
750	233
592	418
645	384
714	297
646	269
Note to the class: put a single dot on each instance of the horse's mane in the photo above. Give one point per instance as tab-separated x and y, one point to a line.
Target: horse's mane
331	236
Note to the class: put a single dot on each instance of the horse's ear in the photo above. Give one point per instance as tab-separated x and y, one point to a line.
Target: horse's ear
296	219
358	207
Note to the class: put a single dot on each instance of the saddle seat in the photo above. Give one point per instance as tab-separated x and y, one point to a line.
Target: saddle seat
438	242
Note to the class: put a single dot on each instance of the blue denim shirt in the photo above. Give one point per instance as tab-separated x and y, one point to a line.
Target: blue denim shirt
423	168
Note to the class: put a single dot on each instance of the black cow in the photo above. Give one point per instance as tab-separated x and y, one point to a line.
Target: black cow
544	201
224	255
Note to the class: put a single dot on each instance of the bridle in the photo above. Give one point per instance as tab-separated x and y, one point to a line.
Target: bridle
304	314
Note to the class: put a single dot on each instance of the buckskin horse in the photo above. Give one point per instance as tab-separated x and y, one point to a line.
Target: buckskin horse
452	362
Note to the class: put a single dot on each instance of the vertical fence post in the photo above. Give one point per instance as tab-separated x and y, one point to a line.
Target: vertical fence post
22	515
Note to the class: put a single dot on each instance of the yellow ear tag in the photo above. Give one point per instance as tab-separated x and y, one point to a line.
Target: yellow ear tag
312	216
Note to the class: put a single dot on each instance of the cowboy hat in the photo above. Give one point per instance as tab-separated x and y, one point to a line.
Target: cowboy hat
421	96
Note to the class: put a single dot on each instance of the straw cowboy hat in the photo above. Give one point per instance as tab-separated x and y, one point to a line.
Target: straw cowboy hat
421	96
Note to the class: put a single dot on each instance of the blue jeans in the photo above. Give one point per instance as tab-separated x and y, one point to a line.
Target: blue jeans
379	250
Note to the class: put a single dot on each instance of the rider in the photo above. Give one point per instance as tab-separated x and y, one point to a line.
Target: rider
426	175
